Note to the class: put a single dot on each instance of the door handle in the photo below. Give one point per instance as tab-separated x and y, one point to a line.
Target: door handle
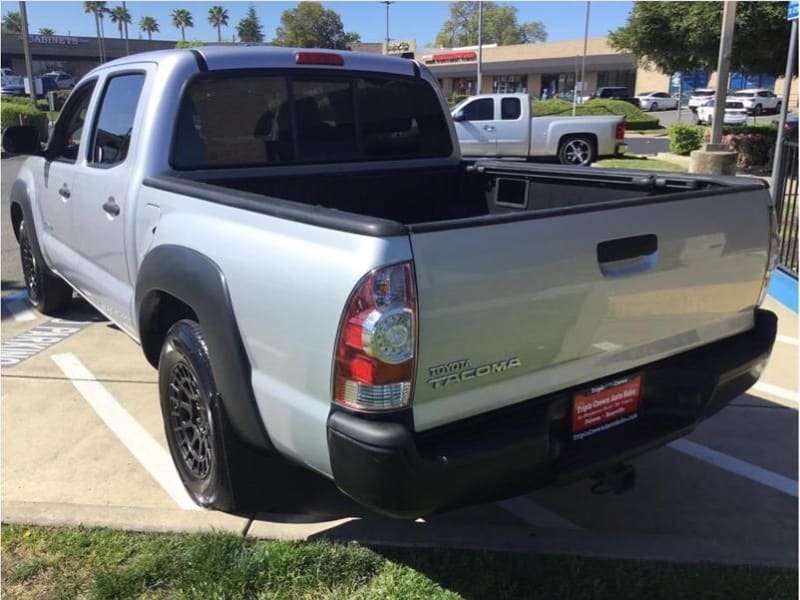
488	127
111	207
64	192
628	256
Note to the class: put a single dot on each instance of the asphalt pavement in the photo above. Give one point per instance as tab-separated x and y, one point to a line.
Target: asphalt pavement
83	443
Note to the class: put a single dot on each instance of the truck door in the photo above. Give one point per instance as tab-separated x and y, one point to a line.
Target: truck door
108	203
475	128
55	183
511	129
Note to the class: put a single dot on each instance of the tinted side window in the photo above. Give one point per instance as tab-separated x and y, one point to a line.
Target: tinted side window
69	130
510	108
112	134
479	110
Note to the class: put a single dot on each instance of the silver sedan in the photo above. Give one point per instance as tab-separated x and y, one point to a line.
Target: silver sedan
656	101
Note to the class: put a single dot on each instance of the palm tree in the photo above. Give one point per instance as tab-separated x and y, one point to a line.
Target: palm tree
12	22
47	31
97	9
120	16
182	18
218	17
149	25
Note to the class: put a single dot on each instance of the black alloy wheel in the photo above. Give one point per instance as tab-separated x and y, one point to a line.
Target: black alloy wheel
190	421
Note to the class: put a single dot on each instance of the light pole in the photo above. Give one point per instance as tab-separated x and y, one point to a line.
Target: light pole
480	44
125	27
723	70
387	3
26	47
585	43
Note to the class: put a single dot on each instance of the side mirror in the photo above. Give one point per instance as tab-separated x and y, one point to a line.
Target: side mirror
22	139
458	115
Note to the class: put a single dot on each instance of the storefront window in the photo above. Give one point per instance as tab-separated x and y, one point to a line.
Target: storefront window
741	80
464	87
617	79
510	84
557	84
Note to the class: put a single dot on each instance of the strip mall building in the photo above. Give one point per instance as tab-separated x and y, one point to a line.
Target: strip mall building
551	67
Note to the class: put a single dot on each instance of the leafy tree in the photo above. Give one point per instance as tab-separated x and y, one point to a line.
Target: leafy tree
500	26
351	37
120	16
679	36
310	25
98	9
47	31
12	22
250	28
149	25
182	18
218	17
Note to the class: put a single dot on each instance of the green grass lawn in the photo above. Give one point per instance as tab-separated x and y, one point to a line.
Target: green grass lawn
639	162
40	562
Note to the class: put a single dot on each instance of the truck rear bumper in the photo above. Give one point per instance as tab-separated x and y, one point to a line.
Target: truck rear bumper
394	470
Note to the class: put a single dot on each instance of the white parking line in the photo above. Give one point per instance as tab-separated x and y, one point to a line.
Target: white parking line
531	512
777	391
739	467
787	340
141	444
16	306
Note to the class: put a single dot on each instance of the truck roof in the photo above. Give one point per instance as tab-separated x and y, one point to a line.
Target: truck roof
217	58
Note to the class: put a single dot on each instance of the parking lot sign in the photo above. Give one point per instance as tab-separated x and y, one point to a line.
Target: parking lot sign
792	13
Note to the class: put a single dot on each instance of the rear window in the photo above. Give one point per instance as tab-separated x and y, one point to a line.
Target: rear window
255	120
701	93
744	94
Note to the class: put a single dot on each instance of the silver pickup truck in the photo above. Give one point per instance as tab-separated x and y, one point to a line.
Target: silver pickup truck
501	125
295	241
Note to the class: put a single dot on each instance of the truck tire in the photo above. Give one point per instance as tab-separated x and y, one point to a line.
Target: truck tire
576	150
216	468
47	292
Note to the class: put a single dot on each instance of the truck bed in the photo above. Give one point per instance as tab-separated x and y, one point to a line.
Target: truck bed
574	273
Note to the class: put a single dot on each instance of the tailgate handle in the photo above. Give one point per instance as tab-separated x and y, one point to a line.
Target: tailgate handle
628	256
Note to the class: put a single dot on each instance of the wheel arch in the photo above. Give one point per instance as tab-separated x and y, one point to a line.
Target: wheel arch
176	282
20	206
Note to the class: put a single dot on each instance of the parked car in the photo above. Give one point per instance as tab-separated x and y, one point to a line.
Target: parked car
63	79
656	101
502	125
758	101
789	126
699	97
616	93
319	276
8	76
12	89
735	113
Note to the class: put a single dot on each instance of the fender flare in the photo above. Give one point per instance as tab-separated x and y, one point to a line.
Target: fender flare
19	196
198	282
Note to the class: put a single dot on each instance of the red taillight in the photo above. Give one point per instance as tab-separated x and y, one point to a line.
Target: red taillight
374	362
318	58
619	133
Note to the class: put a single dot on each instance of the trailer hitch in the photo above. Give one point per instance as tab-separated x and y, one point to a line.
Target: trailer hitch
618	479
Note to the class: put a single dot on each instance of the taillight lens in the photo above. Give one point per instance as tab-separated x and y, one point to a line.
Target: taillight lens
374	363
620	131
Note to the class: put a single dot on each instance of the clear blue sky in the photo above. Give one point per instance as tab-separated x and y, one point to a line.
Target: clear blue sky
418	20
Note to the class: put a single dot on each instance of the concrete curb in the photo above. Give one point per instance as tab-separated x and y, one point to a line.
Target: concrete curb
391	533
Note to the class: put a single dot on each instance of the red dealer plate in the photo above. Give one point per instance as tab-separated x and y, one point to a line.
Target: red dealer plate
605	406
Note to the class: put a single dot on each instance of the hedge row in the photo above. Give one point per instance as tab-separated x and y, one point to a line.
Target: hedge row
635	119
754	144
11	113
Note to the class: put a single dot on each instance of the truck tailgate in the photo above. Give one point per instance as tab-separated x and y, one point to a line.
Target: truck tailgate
515	308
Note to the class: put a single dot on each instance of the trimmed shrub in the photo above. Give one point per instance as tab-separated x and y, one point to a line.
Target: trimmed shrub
11	112
685	138
754	144
635	119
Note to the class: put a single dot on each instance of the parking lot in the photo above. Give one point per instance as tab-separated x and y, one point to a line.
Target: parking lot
82	442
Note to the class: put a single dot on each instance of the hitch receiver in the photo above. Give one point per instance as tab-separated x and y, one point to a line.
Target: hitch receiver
618	479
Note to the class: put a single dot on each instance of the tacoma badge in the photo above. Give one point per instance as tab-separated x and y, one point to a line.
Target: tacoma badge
459	371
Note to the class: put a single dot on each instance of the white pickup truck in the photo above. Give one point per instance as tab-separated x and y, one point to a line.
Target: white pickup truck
295	241
501	125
